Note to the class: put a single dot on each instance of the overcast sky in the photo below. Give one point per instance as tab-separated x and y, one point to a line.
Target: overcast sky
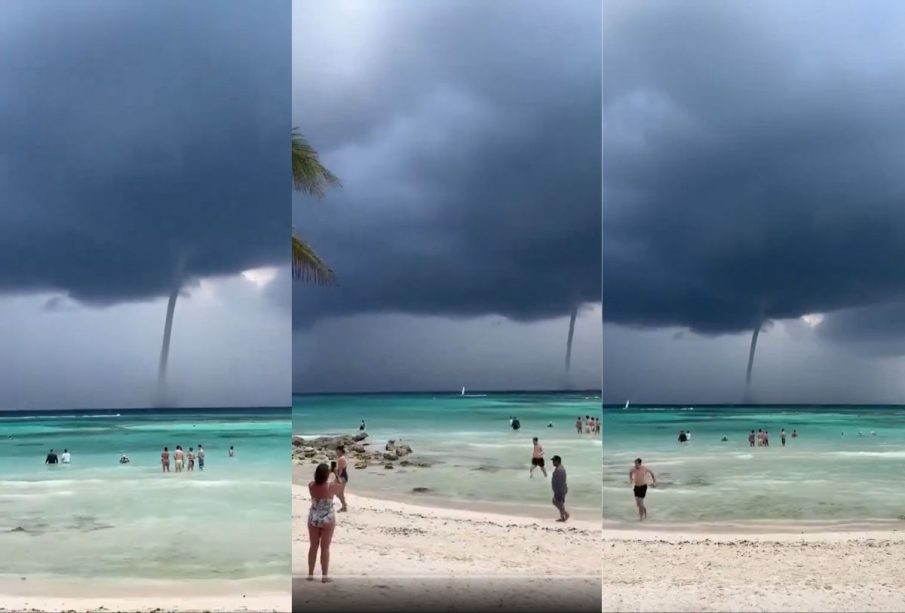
144	146
753	171
467	138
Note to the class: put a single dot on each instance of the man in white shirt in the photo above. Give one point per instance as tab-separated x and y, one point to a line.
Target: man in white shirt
65	458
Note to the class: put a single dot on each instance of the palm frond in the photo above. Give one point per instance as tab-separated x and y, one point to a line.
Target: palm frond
307	265
308	174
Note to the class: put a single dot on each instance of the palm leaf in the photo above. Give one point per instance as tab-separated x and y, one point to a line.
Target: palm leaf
307	265
308	174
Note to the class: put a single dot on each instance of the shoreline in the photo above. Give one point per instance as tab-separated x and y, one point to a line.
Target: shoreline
522	510
47	593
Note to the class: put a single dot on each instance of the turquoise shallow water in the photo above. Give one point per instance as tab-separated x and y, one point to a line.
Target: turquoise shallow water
97	518
822	476
479	458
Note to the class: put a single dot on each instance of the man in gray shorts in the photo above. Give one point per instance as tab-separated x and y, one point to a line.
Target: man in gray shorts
560	488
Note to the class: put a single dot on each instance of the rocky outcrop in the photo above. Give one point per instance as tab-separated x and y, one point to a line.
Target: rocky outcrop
323	449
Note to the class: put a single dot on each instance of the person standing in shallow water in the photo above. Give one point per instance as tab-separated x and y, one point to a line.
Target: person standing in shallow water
782	437
191	458
638	478
560	488
165	460
537	458
200	457
179	458
321	519
51	458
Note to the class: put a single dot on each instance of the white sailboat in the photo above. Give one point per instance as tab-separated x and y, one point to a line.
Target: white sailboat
626	405
463	391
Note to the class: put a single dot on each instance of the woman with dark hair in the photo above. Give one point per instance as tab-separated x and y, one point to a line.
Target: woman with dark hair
321	519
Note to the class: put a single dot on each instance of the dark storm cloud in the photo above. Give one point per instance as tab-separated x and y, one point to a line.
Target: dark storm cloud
873	330
141	138
753	157
467	137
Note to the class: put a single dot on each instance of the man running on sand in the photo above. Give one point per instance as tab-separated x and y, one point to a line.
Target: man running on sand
537	458
638	478
560	488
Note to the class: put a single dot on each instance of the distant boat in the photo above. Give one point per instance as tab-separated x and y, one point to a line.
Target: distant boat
626	405
463	391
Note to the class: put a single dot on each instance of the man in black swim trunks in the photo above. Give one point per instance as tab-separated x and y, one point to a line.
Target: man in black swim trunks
638	478
342	476
537	458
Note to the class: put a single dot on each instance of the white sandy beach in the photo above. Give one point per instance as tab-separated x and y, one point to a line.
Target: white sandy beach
38	595
390	548
757	570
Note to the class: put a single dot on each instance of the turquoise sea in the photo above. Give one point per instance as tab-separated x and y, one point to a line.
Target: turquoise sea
97	518
480	461
828	474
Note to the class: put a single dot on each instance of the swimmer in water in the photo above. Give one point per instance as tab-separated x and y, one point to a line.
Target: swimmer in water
550	425
124	459
232	452
725	438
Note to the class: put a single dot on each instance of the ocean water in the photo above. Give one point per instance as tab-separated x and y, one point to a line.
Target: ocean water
481	461
821	476
96	518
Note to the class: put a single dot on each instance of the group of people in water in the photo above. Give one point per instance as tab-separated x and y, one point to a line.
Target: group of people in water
185	461
762	438
589	425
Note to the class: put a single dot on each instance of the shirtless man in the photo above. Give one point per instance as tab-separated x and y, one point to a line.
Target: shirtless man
200	457
179	458
165	460
342	476
537	458
578	424
638	478
191	458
